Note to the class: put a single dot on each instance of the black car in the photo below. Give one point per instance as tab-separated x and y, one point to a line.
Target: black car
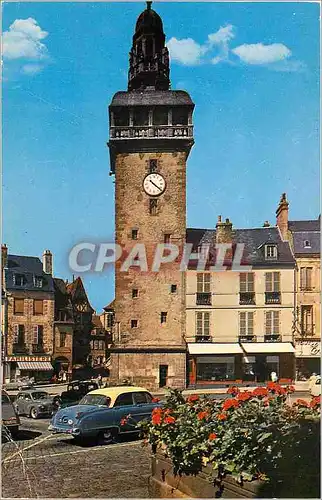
76	390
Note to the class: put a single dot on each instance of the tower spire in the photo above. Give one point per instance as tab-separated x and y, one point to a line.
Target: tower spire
149	57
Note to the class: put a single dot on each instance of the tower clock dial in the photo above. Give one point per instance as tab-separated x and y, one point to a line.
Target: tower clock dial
154	184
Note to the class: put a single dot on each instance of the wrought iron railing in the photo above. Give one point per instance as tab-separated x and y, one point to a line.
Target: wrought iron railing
247	338
246	298
203	299
203	338
273	338
272	297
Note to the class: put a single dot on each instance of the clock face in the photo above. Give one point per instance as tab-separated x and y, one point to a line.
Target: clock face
154	184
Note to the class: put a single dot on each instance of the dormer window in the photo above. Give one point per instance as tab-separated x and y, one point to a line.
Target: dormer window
38	281
18	279
270	252
307	244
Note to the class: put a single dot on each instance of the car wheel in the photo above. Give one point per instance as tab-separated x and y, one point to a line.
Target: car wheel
34	413
107	436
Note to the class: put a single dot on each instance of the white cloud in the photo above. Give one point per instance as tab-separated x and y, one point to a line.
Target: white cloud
223	35
22	40
259	53
185	51
31	69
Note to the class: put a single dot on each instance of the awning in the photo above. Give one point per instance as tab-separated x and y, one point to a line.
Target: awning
214	348
267	347
35	365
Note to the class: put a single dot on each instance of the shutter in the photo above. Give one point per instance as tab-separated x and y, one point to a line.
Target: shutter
250	325
250	284
35	334
18	306
309	277
15	334
206	326
242	283
206	287
199	283
303	278
242	324
199	323
276	322
268	322
38	306
268	282
276	282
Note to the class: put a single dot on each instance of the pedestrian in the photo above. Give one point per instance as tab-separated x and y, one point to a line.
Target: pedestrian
273	376
99	380
64	376
312	380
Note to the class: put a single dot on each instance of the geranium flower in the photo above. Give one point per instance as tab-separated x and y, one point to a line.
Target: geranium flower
316	401
233	390
260	392
244	396
302	402
230	403
193	398
222	416
212	436
290	388
156	419
202	415
169	420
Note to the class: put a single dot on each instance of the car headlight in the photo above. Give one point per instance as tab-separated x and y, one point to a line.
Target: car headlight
42	407
70	422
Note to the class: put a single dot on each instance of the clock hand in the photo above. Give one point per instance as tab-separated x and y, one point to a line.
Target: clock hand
155	185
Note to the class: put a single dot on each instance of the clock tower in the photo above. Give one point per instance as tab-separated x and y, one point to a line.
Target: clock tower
151	135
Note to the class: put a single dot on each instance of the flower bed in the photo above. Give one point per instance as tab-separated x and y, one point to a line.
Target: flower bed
252	436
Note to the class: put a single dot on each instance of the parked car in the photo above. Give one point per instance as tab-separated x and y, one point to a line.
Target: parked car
99	413
76	390
10	419
316	387
34	404
21	384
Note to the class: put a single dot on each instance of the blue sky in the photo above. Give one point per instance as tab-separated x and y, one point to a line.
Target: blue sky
251	69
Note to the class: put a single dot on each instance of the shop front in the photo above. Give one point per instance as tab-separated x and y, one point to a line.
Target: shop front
308	358
214	363
38	368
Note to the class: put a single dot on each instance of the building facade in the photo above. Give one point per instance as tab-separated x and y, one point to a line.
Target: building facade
304	237
239	323
63	330
28	316
151	135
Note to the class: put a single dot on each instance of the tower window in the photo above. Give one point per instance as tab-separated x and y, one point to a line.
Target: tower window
179	116
153	166
134	234
153	206
134	323
163	317
121	118
140	117
173	288
135	293
160	116
167	238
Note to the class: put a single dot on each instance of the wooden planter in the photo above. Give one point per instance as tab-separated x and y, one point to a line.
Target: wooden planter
163	484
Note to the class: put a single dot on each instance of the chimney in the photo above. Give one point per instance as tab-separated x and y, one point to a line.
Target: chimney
266	224
47	262
4	256
224	231
282	216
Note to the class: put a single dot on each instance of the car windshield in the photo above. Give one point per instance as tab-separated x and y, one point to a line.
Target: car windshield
95	399
5	398
39	395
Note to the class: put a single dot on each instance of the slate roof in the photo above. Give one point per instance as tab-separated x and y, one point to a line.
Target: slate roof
29	267
110	306
304	225
154	97
254	241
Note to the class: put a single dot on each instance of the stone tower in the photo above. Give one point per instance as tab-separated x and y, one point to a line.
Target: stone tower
151	135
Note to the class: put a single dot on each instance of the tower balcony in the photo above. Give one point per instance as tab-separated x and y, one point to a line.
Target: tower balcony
151	132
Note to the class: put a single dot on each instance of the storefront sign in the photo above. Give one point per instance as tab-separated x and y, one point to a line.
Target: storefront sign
308	349
28	358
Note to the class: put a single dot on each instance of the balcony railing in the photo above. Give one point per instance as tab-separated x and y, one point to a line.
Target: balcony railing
37	348
247	338
203	338
272	297
273	338
203	299
151	131
19	349
247	298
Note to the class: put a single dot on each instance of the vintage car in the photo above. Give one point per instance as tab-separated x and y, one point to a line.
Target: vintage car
99	413
76	390
34	404
10	419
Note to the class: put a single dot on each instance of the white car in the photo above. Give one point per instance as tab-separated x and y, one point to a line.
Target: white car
316	387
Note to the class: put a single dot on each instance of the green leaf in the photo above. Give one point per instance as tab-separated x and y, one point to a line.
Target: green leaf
264	436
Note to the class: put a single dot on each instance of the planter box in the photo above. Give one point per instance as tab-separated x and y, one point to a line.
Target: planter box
163	484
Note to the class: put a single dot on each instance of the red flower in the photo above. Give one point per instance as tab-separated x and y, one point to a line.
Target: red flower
155	400
212	436
169	420
290	388
302	402
244	396
260	392
123	421
222	416
230	403
233	390
202	415
316	401
271	386
192	398
156	419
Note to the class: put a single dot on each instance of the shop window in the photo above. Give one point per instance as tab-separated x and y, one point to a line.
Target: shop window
163	375
163	317
272	364
215	368
18	306
38	307
306	278
62	339
249	368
